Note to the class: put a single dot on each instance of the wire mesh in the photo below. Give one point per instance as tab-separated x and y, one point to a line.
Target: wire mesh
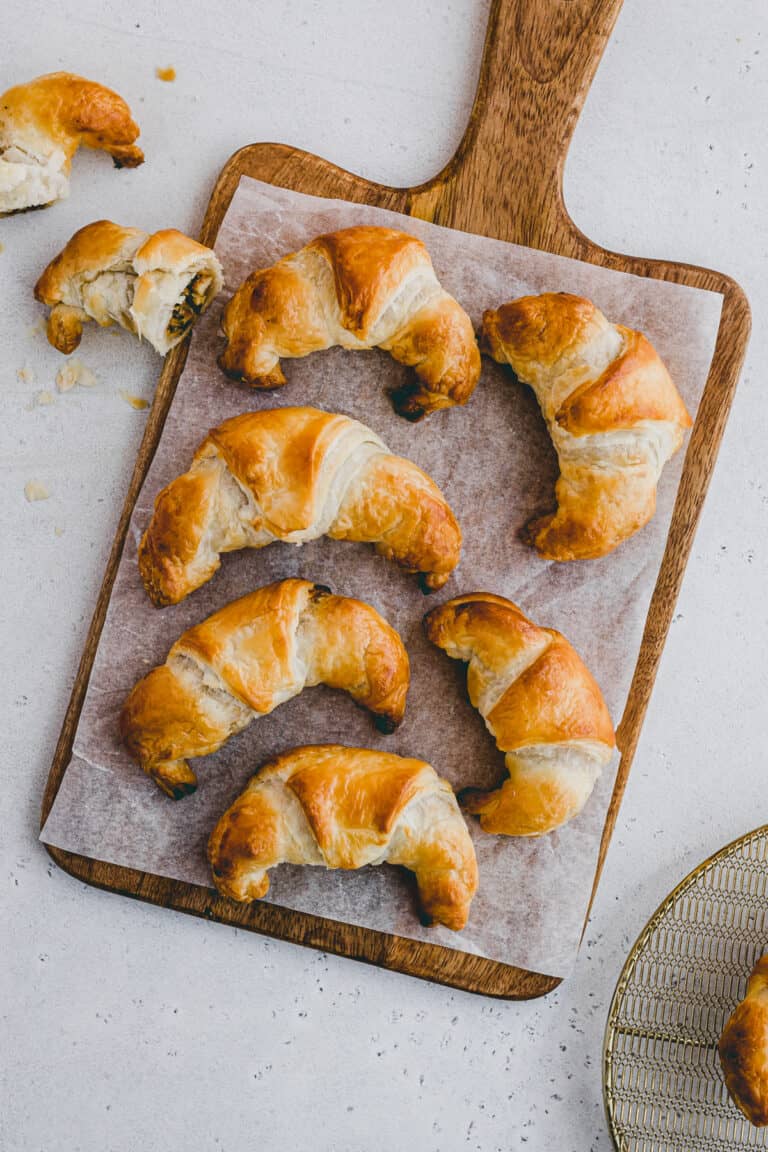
664	1090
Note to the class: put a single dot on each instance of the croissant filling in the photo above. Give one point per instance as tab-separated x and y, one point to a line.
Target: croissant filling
190	305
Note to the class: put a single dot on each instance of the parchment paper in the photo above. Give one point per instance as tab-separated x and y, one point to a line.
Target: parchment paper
494	461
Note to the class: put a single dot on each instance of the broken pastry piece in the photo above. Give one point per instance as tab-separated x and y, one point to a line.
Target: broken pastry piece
44	122
155	286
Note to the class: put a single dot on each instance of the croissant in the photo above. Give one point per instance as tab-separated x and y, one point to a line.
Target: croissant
540	704
613	413
294	474
43	123
743	1048
155	286
248	658
363	287
345	808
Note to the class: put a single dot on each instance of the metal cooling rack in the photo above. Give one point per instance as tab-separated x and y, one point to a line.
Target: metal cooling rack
663	1087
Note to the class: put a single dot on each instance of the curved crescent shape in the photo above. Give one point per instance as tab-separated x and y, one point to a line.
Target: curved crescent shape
294	474
345	808
743	1049
155	286
613	413
250	657
541	705
44	122
364	287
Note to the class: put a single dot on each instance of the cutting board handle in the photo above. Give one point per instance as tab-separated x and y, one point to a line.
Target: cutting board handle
538	63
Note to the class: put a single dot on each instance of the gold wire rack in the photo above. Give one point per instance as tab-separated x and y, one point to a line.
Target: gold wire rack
663	1088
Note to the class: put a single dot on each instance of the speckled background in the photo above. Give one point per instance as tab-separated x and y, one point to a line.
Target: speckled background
494	461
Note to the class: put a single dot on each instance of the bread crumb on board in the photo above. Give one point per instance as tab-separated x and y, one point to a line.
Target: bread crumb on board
58	530
166	74
137	402
42	399
72	373
25	375
35	490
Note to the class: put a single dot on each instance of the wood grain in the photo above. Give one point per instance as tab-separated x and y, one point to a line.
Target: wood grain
504	181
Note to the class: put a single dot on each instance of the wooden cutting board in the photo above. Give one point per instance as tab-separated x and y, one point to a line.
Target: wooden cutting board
504	181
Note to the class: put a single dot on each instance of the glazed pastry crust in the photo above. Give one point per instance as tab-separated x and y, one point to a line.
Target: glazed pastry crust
154	286
743	1049
612	410
294	474
346	808
359	288
250	657
44	122
541	705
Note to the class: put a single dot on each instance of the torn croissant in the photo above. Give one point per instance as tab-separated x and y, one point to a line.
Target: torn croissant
541	705
363	287
44	122
154	286
612	410
250	657
346	808
294	474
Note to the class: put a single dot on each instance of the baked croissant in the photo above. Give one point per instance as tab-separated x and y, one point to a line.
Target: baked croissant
613	413
359	288
345	808
43	123
248	658
540	704
743	1048
155	286
294	474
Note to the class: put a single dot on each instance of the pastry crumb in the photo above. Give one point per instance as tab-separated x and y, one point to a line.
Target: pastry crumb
35	490
66	377
137	402
2	248
25	375
168	75
58	530
72	373
42	399
86	378
36	329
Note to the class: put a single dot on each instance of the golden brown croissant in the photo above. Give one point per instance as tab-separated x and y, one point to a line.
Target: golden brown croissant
346	808
743	1048
613	413
248	658
540	704
43	123
294	474
363	287
155	286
